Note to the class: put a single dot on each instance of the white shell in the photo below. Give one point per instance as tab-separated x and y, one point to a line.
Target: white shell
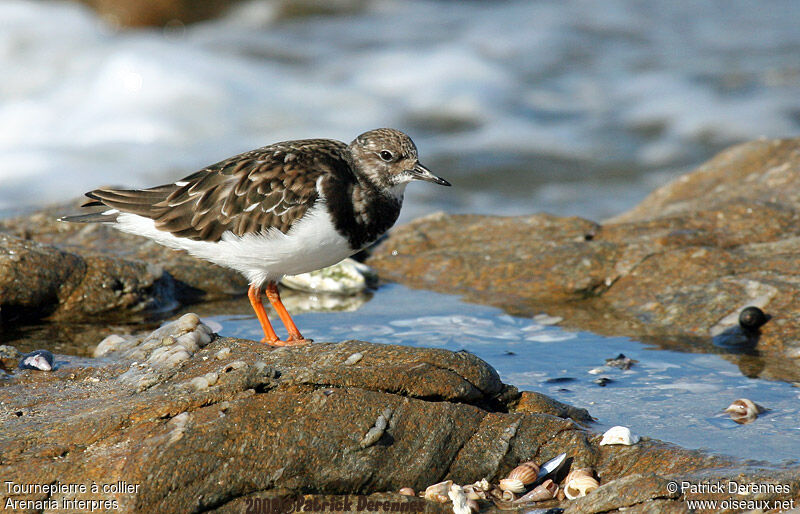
478	490
354	358
439	492
515	485
407	491
459	499
744	411
346	277
580	482
619	435
508	496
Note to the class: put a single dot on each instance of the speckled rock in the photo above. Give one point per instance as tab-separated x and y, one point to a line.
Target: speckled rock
9	357
676	270
242	420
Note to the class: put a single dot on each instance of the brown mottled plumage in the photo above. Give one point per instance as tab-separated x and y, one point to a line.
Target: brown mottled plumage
277	183
283	209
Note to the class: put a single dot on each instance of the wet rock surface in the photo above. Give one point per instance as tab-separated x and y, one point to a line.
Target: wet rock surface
676	270
242	421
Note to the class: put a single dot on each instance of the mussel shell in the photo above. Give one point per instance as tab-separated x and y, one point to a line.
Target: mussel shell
552	466
41	360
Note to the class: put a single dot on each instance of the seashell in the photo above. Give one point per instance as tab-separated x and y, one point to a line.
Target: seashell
473	506
474	494
545	491
528	472
579	472
456	494
621	362
483	485
439	492
478	490
515	485
619	435
41	360
752	318
345	278
602	381
744	411
551	466
580	482
354	358
508	496
407	491
499	494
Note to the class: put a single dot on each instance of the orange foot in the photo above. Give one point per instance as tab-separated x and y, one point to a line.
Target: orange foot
288	342
270	337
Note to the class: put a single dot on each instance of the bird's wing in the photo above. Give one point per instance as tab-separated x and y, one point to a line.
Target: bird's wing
271	187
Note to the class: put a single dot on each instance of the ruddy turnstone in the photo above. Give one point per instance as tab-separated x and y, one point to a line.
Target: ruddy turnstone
284	209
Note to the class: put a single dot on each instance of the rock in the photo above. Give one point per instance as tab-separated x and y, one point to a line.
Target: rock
38	280
259	422
683	264
139	13
175	13
77	272
530	401
9	357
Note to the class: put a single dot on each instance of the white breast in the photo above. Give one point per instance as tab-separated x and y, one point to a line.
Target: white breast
312	243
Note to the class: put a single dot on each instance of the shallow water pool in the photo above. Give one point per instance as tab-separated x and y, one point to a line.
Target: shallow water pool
668	395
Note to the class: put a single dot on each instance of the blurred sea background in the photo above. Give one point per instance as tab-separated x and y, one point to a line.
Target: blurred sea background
574	107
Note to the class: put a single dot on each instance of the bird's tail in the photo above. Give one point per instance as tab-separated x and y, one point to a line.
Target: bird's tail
109	216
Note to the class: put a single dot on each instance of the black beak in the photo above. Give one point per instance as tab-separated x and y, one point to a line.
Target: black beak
420	172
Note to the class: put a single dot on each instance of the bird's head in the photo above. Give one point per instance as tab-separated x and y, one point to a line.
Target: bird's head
388	159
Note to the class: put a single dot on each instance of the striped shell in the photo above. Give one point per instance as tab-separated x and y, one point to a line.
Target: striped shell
515	485
580	482
545	491
528	472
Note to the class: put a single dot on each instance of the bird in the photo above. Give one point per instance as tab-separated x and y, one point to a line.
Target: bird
287	208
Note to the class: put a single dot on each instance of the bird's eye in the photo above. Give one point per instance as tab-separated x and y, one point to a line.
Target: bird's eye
386	155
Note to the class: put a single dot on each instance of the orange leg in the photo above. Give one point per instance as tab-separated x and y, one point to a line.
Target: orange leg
254	294
294	334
